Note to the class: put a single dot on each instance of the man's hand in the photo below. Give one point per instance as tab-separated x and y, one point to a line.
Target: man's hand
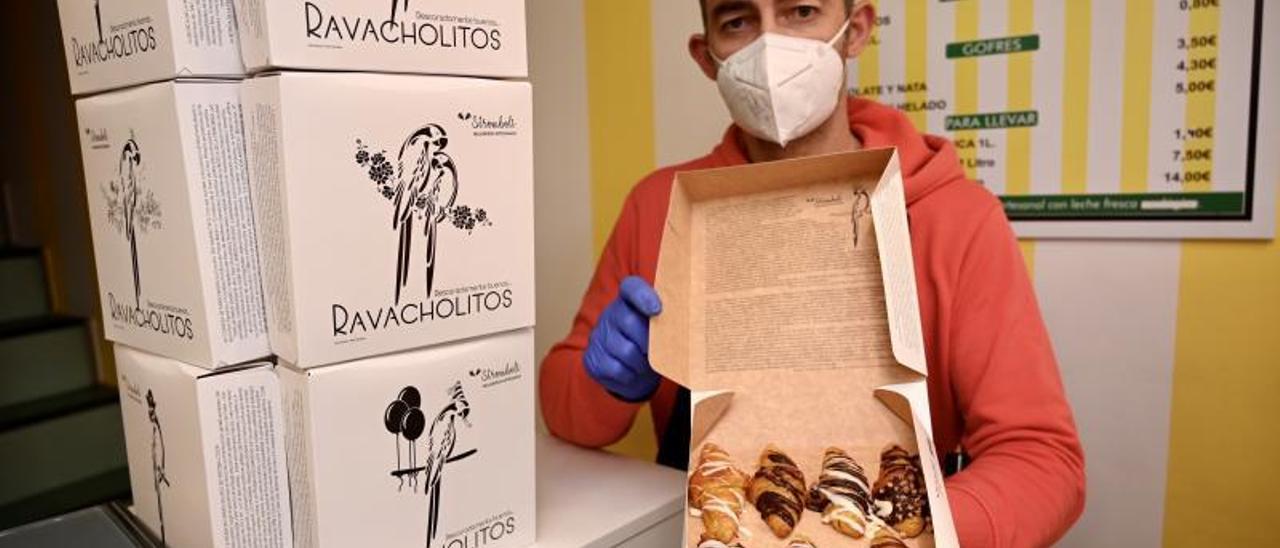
617	353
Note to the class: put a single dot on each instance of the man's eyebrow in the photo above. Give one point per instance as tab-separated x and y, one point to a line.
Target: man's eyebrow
730	6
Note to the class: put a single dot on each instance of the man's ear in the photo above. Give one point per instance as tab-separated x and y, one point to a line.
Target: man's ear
700	51
861	24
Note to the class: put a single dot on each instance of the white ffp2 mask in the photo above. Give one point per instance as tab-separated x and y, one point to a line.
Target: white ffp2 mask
779	87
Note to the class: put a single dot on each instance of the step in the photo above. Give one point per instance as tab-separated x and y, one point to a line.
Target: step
60	452
105	487
22	284
19	415
43	357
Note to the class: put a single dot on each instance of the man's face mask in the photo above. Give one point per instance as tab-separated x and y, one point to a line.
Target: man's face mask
779	87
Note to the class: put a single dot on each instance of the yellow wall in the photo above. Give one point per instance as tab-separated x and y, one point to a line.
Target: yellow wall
1225	440
620	106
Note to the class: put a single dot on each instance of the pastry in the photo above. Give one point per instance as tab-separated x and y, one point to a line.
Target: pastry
717	493
713	543
884	537
801	541
842	494
777	491
901	498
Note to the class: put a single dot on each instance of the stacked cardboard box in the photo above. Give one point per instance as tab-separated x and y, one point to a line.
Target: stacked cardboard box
395	215
372	230
166	175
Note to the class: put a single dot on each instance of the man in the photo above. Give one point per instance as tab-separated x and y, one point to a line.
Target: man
993	380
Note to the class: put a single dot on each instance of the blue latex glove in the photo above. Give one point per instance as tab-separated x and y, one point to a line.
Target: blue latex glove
617	353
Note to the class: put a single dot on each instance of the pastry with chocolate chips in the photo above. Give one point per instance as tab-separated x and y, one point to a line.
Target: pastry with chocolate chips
901	498
777	491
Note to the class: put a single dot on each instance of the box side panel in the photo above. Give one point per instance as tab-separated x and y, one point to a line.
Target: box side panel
116	44
243	446
224	224
204	38
416	195
140	212
162	435
447	37
263	126
445	432
296	404
252	24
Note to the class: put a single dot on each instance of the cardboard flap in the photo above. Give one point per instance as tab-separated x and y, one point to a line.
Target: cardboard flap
670	357
707	408
911	402
889	211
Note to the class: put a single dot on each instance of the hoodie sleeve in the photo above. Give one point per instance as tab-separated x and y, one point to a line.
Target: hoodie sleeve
575	407
1026	484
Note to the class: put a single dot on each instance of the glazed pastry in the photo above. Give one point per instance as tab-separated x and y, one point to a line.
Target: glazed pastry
801	541
884	537
901	498
717	493
777	491
842	494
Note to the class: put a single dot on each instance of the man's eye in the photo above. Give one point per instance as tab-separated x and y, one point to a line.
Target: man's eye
737	23
806	12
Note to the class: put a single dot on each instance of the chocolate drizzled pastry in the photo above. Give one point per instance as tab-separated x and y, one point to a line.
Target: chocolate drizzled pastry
717	493
842	494
777	490
885	537
901	498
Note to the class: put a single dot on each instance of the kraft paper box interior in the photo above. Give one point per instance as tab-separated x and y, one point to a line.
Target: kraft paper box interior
172	223
117	43
206	451
431	447
396	211
789	308
458	37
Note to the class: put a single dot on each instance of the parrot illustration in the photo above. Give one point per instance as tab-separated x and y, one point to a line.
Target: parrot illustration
130	170
97	15
441	440
427	181
157	459
395	3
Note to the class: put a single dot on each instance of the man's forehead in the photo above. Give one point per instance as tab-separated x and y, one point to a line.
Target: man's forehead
713	7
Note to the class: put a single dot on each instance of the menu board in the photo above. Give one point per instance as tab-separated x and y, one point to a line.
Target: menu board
1115	118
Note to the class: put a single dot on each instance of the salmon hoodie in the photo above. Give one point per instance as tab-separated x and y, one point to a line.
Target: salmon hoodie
993	380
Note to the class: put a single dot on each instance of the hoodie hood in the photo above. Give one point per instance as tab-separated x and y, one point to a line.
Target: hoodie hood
929	162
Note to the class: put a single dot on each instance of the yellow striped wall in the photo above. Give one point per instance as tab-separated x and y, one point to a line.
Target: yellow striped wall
1223	342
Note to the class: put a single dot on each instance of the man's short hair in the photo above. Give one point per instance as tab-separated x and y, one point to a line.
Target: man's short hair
702	7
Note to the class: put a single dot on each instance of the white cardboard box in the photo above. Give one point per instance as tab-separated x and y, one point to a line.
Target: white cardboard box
395	211
117	43
173	238
456	37
206	451
381	448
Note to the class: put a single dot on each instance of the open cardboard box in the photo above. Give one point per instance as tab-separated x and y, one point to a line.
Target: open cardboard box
790	311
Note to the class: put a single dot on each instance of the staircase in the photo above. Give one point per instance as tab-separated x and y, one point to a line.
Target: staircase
61	438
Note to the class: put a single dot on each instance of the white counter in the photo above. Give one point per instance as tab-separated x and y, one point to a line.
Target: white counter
594	499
